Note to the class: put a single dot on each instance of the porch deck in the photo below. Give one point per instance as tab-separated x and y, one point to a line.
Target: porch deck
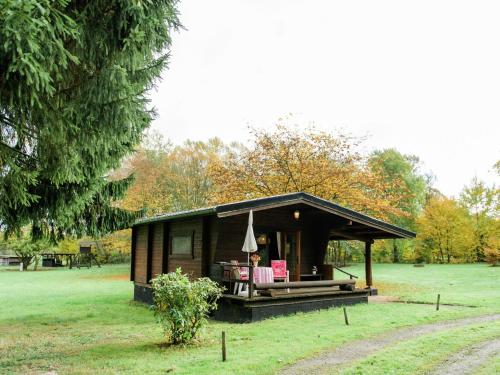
240	309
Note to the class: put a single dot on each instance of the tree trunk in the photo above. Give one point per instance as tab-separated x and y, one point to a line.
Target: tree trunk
26	261
395	252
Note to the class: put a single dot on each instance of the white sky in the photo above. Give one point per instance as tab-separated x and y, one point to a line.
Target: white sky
420	76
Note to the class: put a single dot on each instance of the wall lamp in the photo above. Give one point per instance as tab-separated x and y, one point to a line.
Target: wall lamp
296	214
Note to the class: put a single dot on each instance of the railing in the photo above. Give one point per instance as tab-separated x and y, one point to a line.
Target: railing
351	276
228	268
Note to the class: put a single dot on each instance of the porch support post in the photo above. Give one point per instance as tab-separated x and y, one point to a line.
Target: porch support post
368	263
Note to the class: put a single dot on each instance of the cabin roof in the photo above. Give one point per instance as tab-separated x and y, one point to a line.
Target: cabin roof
258	204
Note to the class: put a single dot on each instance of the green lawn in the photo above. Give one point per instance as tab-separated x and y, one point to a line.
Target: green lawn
83	322
463	284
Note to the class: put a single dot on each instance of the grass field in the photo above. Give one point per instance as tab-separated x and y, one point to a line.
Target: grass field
83	322
461	284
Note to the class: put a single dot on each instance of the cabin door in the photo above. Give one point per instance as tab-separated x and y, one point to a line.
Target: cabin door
291	247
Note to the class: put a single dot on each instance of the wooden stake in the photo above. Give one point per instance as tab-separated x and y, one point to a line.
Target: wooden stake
437	304
345	317
223	346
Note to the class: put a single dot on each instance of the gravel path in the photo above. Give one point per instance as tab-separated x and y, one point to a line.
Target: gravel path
469	359
359	349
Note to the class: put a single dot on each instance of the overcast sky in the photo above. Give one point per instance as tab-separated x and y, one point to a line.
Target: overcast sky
420	76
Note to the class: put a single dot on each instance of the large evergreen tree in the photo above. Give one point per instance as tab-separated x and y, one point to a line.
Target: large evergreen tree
73	82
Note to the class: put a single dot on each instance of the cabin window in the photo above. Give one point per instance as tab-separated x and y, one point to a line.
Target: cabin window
182	245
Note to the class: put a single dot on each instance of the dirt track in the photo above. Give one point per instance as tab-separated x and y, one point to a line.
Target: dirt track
469	359
360	349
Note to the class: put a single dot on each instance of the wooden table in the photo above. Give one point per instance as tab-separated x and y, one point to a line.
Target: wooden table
55	256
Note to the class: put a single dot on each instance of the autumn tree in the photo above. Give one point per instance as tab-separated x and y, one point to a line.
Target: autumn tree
74	78
170	178
482	202
411	188
444	232
186	173
287	159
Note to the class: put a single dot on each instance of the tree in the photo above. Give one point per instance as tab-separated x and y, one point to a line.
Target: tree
171	178
27	249
73	82
444	232
482	203
412	188
287	160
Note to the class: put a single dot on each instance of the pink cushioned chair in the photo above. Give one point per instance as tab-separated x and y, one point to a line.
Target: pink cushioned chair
279	270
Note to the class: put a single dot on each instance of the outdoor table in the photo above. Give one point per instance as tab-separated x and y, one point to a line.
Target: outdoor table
263	275
69	257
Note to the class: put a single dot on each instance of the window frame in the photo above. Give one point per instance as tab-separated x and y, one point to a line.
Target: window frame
187	255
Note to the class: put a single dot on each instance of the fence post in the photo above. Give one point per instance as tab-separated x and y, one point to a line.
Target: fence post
345	317
437	303
223	346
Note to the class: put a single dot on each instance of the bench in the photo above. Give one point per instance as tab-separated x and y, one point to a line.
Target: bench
301	287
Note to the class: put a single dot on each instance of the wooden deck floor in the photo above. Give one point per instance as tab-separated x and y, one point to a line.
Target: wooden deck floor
241	309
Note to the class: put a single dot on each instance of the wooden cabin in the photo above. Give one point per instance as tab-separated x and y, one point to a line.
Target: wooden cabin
293	227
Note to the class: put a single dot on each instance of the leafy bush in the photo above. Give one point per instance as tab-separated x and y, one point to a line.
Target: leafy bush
182	306
492	256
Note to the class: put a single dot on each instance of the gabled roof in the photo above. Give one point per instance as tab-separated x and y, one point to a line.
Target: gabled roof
258	204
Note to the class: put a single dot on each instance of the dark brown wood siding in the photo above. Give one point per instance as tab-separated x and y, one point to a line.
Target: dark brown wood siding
192	264
141	252
157	251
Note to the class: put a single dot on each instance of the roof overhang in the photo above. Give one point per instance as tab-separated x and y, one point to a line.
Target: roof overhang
353	230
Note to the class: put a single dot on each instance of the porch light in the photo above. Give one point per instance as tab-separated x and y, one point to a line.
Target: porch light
262	239
296	214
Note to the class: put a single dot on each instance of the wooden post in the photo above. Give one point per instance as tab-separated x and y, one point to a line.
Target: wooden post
149	253
165	250
345	317
298	249
368	263
250	281
223	346
437	304
132	253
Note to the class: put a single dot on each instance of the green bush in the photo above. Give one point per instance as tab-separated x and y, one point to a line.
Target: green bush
182	306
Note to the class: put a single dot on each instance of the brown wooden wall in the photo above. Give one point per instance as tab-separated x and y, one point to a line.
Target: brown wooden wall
221	239
157	251
188	264
141	250
161	260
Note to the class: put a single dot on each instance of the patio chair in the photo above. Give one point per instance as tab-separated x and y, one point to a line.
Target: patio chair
279	270
238	273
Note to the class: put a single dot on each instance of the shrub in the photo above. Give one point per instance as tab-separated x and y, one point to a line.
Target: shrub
182	306
492	256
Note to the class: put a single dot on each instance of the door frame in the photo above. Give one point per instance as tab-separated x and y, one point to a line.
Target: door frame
298	253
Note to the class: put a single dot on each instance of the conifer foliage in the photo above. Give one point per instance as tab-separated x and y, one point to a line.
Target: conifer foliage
73	82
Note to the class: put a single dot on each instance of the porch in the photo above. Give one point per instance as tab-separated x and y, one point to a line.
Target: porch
239	309
260	300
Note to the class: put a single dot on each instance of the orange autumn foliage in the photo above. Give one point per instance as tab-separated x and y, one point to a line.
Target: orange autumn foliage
287	159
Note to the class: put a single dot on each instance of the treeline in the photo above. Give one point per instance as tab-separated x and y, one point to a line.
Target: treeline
385	184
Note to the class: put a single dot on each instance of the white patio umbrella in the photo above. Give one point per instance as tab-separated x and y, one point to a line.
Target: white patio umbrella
250	245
